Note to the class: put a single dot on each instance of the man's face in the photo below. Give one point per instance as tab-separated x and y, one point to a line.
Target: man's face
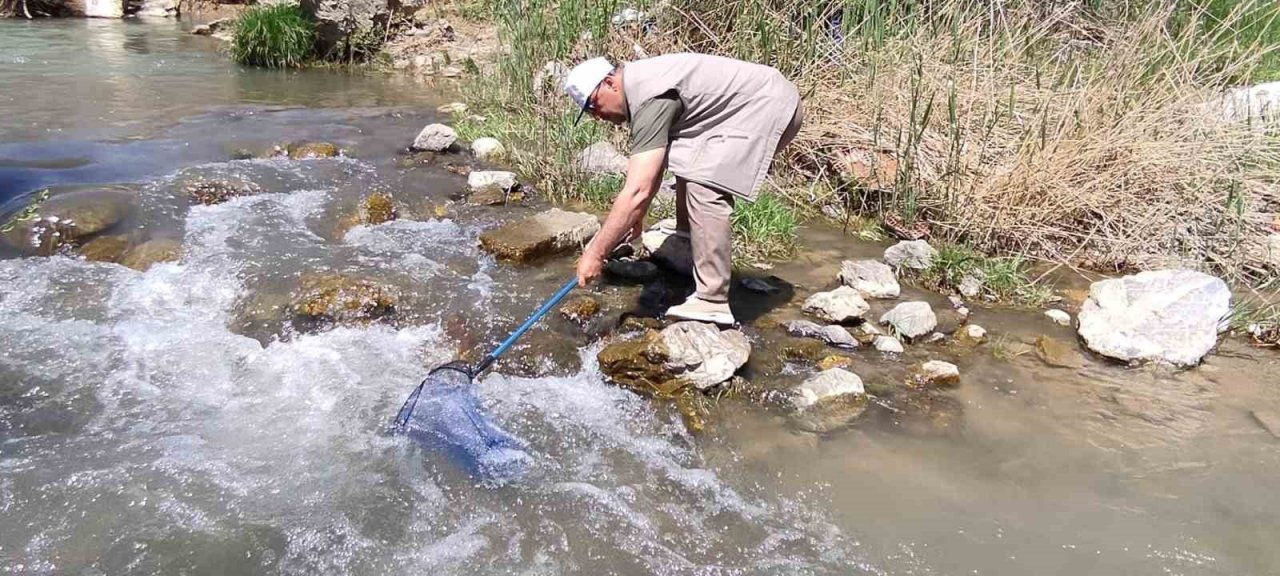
606	103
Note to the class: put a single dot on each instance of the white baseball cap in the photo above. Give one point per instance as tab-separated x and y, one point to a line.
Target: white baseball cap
584	79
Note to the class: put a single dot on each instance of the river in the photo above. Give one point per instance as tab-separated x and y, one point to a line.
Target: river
161	422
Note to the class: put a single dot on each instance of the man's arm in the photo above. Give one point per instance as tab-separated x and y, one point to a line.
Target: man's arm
644	175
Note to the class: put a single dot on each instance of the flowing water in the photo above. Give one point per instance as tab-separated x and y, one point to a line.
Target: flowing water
162	422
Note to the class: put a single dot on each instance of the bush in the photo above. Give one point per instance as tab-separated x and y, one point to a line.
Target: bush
278	36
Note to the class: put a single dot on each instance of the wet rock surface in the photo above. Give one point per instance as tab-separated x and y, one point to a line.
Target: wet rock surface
832	334
1171	316
1055	352
842	305
888	345
911	319
500	179
829	400
325	300
313	150
937	374
548	233
217	191
143	256
683	354
71	219
105	248
494	196
488	148
871	278
580	310
376	208
434	138
971	334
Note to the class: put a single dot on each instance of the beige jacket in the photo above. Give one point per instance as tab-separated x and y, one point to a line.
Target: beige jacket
734	115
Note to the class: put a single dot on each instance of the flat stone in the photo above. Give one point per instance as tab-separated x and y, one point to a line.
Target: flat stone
1268	419
1055	352
602	158
871	278
825	386
832	334
887	344
911	319
550	232
841	305
488	148
1059	317
480	179
938	374
914	254
1171	316
435	138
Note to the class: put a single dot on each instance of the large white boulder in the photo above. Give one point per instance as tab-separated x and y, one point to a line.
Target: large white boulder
871	278
703	354
435	138
1172	316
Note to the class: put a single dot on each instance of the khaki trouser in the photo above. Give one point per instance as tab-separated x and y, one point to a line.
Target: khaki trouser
706	216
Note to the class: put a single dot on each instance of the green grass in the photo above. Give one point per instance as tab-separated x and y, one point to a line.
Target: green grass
1259	319
1237	28
764	229
278	36
1004	279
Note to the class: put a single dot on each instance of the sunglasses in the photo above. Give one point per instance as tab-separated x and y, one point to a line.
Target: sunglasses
590	105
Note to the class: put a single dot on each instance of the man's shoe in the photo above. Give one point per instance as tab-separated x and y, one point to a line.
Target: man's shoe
700	310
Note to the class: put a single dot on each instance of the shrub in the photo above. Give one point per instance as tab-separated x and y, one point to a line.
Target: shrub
278	36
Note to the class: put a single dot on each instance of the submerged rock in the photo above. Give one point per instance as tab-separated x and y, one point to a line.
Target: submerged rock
759	286
802	350
602	158
937	374
494	196
1055	352
70	219
481	179
105	248
376	208
326	299
971	334
313	150
434	138
143	256
217	191
835	361
580	310
829	400
1172	316
911	319
683	354
914	254
841	305
1059	317
871	278
540	235
633	270
488	148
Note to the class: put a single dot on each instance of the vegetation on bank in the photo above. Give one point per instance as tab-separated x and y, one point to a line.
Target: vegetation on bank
1084	133
273	36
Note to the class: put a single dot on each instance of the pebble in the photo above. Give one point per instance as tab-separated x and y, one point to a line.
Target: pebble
1059	317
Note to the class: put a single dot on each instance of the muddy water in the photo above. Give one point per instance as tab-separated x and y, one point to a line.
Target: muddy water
162	422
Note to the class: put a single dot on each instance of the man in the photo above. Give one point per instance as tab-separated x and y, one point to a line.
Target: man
716	123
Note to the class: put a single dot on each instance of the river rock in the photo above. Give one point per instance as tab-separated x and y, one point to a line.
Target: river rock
937	374
494	196
914	254
683	354
323	300
668	248
759	286
544	234
841	305
602	158
1055	352
216	191
158	9
826	385
337	21
313	150
835	361
803	350
1059	317
871	278
632	270
971	334
435	138
911	319
488	148
832	334
970	286
212	27
500	179
105	248
70	219
887	344
580	310
452	108
1172	316
145	255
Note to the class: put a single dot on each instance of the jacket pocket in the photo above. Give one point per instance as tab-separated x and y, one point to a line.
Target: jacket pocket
730	159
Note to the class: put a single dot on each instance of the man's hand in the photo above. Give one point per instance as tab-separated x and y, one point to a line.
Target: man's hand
589	269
